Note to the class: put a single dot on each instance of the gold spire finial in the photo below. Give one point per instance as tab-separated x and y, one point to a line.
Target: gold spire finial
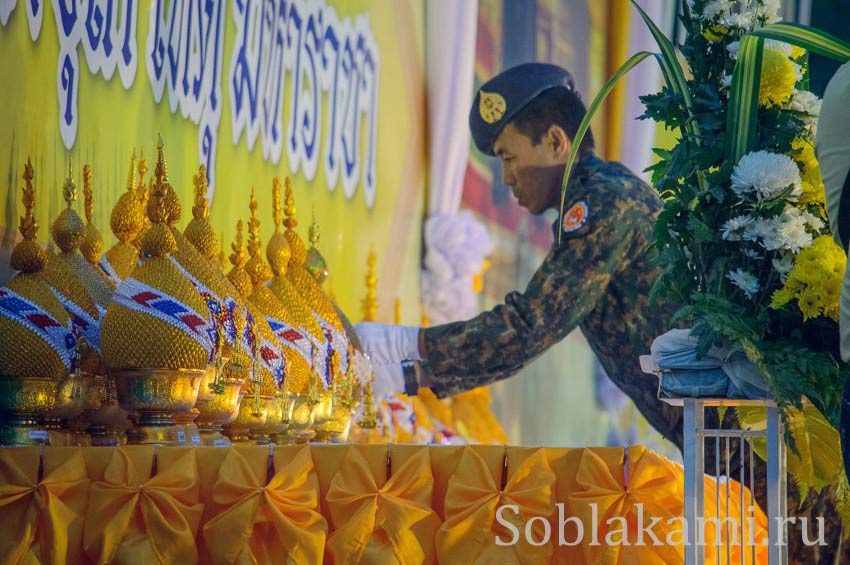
277	213
88	194
28	226
131	174
313	232
28	256
238	257
69	189
397	311
291	222
92	245
370	302
426	321
161	170
143	169
201	209
253	226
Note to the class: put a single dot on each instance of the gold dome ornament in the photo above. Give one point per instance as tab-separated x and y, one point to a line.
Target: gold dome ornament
317	266
260	389
321	306
278	255
68	232
126	221
197	250
219	295
295	342
38	347
65	274
156	337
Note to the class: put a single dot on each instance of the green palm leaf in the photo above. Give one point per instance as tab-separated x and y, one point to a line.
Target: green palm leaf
809	38
585	122
744	98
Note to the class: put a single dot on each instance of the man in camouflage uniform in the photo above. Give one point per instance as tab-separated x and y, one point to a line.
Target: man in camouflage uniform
597	278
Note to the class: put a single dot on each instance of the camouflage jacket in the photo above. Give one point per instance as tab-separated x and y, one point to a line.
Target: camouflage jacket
598	278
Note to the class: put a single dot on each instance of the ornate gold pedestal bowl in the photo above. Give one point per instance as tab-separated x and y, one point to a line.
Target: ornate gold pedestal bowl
217	410
333	417
24	401
71	398
278	419
302	416
247	420
156	395
260	434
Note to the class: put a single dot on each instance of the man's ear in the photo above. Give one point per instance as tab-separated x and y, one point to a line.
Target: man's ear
559	142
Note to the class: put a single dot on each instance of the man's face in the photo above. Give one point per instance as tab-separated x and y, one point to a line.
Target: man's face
534	172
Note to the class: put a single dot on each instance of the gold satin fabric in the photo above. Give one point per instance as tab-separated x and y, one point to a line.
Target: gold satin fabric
341	504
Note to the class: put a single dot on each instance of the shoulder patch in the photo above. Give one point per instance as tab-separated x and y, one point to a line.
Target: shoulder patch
575	218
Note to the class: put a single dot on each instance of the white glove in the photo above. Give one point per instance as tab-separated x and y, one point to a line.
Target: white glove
385	344
389	380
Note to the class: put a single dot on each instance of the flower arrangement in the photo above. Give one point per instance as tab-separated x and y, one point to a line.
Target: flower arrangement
746	247
743	238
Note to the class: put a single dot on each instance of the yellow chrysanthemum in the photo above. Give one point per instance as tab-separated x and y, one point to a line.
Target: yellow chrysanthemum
782	297
812	194
778	77
797	52
804	153
810	303
815	280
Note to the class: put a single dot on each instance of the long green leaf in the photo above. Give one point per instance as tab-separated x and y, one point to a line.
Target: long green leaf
744	98
670	67
674	76
585	123
809	38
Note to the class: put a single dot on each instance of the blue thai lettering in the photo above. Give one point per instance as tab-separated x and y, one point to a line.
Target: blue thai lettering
329	61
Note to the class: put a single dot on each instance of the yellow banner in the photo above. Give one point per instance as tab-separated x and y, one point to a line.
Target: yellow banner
330	93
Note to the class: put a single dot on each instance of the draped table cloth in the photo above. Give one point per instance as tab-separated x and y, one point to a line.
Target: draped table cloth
340	504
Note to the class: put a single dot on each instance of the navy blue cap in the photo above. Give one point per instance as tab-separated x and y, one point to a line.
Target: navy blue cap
503	96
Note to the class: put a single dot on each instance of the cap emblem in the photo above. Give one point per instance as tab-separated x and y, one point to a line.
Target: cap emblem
491	106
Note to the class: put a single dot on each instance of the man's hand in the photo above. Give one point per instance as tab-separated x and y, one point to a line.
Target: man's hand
389	380
388	344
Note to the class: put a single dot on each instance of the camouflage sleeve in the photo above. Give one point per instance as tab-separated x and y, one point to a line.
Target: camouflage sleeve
566	287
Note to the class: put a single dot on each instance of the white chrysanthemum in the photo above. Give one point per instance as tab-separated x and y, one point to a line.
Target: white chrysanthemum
742	20
805	102
733	230
769	10
793	233
714	9
747	282
784	265
753	254
766	174
812	221
726	81
732	48
809	104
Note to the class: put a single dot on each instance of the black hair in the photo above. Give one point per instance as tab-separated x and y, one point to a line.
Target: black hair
556	106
